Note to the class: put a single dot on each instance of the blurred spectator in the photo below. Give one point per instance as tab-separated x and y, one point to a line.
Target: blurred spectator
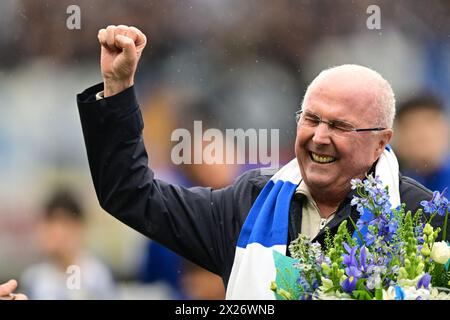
422	141
200	284
161	265
60	235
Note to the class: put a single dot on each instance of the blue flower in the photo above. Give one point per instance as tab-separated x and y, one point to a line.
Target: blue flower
360	204
350	259
393	226
399	293
349	283
363	259
376	197
428	206
369	238
424	281
381	198
438	204
304	284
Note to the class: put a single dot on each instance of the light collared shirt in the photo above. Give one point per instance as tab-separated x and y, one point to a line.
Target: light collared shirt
312	222
99	95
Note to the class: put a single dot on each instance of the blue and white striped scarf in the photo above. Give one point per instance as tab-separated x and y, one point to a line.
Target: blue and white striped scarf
266	228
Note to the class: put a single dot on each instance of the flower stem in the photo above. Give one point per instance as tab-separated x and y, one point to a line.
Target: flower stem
431	218
356	229
444	232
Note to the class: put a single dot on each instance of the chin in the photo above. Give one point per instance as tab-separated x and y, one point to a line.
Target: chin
318	182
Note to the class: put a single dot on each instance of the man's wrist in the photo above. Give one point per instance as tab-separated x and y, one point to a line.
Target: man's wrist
112	88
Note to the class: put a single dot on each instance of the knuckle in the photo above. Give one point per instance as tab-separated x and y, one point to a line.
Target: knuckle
135	30
101	33
110	28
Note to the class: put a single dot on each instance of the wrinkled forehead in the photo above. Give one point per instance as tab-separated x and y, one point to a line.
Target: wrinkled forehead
349	93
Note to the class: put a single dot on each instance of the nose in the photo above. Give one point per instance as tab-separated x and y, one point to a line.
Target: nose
322	134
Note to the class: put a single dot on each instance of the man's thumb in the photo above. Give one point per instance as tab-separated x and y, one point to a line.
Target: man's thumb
126	44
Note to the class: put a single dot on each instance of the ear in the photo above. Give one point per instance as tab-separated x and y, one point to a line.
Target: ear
383	139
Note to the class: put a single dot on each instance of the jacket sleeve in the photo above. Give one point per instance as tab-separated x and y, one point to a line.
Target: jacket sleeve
198	223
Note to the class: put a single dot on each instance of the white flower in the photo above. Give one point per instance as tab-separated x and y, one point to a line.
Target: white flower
440	252
389	294
374	281
412	293
436	294
336	295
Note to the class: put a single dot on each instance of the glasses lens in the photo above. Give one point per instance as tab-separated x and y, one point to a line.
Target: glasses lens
338	128
309	119
342	127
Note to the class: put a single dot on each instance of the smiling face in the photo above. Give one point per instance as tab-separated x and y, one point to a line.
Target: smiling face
328	161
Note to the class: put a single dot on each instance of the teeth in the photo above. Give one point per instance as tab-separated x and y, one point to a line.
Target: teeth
322	159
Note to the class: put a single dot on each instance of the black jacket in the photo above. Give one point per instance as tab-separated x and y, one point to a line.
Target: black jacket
200	224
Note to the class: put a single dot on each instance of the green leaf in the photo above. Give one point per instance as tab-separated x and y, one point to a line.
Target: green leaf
360	284
379	294
362	295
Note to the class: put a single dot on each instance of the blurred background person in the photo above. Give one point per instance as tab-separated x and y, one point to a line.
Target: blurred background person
60	235
198	283
422	141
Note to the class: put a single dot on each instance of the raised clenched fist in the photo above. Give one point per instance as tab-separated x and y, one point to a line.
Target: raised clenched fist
121	49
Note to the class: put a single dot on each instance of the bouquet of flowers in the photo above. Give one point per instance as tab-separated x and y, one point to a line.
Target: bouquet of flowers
392	254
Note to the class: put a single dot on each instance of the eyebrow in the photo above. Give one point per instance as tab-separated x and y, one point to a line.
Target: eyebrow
332	120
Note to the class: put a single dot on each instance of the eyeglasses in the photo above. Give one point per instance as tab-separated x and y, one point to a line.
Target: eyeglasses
308	119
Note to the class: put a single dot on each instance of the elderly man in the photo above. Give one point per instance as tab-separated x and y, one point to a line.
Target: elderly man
343	132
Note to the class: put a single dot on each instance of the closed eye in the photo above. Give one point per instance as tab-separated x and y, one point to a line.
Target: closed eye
342	126
312	119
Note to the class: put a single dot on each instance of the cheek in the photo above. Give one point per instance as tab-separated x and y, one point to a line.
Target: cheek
297	146
301	139
360	155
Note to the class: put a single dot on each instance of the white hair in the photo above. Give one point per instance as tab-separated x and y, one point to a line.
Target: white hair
384	95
